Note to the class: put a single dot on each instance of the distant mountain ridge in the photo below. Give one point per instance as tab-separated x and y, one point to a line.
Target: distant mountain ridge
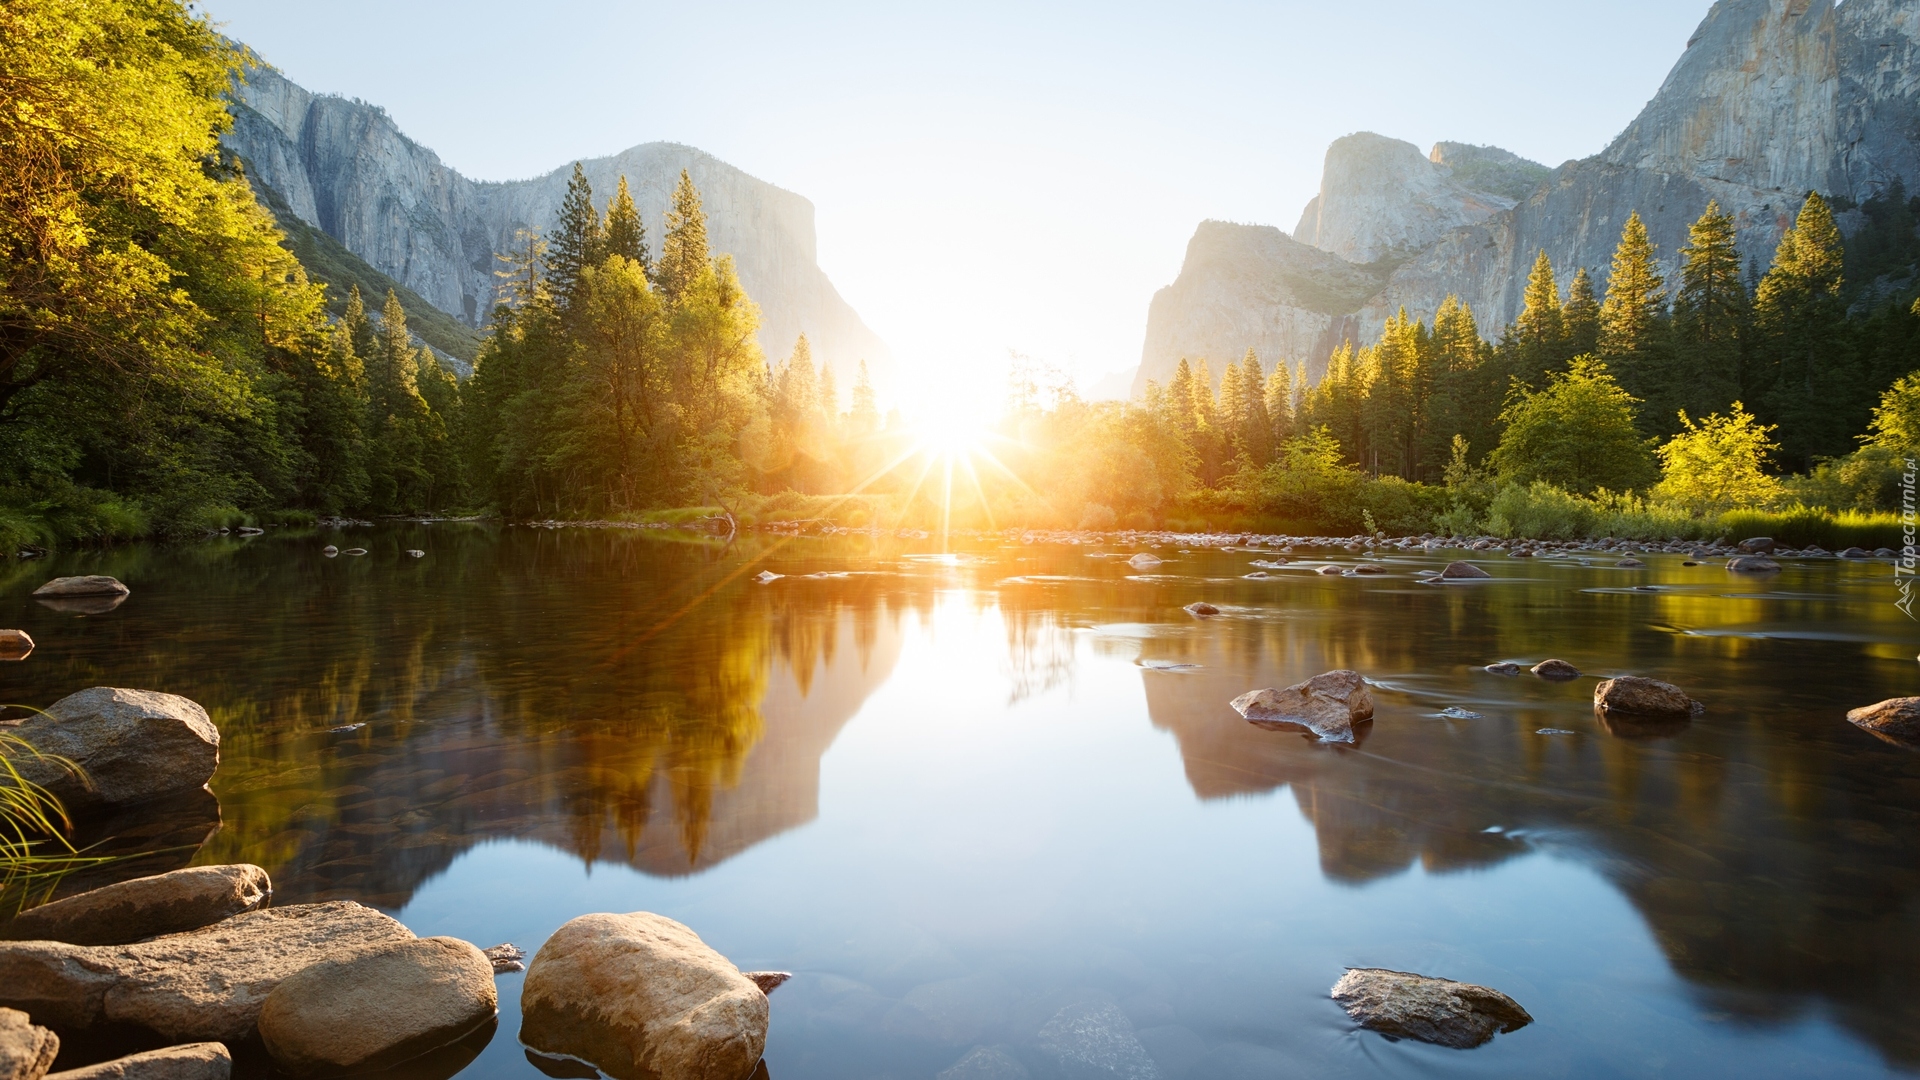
1770	100
344	168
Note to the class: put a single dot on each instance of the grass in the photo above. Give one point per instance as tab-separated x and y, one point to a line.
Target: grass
34	850
1800	526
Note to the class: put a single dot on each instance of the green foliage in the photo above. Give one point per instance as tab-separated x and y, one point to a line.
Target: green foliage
1718	463
1577	433
1802	526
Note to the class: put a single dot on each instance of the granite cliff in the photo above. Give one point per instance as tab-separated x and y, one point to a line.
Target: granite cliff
1771	99
344	168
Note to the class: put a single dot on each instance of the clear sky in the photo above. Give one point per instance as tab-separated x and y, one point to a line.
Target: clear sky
989	176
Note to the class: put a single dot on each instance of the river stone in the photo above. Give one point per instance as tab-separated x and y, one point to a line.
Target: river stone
1752	564
1630	564
193	1061
1557	670
131	745
15	644
1201	607
1408	1006
1504	667
1463	571
643	998
379	1008
1756	545
1894	719
768	981
203	984
146	907
26	1050
87	585
506	957
1143	561
1329	704
986	1063
1096	1041
1642	697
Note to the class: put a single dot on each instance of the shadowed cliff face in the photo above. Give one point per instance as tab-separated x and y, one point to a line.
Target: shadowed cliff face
343	166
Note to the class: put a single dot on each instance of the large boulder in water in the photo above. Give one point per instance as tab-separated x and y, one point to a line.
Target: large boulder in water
1441	1011
1636	696
1752	564
26	1049
1329	704
205	984
643	998
1463	571
193	1061
130	745
145	907
1896	720
378	1009
87	585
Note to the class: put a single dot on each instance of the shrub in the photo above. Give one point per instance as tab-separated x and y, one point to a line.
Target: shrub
1540	511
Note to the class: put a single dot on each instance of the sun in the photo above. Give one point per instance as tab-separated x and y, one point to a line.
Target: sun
950	434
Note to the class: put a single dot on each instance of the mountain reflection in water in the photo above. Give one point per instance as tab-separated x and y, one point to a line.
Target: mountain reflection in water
634	699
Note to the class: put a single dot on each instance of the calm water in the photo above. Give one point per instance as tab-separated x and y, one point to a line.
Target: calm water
956	795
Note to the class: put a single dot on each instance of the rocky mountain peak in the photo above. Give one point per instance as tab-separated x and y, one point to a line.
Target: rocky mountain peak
1380	197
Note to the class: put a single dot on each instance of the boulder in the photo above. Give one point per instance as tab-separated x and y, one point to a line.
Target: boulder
1096	1041
1463	571
1441	1011
130	745
86	585
643	998
1369	568
1752	564
146	907
203	984
1144	561
15	644
1895	719
1202	608
1504	667
1329	704
1636	696
1630	564
1557	670
1756	545
26	1049
193	1061
379	1008
1330	570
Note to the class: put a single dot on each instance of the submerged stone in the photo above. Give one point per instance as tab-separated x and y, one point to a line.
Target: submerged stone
1329	704
1403	1005
1556	670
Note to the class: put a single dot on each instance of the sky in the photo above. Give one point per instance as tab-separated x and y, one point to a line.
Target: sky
988	178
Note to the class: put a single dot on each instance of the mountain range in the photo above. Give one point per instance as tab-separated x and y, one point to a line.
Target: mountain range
364	204
1770	100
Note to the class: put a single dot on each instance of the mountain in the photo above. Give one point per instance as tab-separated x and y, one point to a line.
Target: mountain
1770	100
345	170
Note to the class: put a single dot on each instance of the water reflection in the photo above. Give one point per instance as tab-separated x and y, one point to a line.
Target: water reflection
637	699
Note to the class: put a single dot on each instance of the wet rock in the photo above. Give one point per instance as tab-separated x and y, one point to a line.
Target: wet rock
1504	667
1201	608
1329	704
1630	564
506	957
416	553
1408	1006
26	1049
641	996
1752	564
1637	696
379	1008
203	984
1756	545
1895	719
15	644
1463	571
1096	1041
145	907
193	1061
354	551
768	981
88	585
986	1063
1557	670
765	576
1330	570
1144	561
1369	568
1885	553
131	745
329	551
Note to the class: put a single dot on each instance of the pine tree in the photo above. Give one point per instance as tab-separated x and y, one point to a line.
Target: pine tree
1710	312
360	331
1799	314
865	415
1580	315
1636	299
828	390
576	241
520	283
1256	430
1538	337
683	254
1279	395
624	234
390	362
